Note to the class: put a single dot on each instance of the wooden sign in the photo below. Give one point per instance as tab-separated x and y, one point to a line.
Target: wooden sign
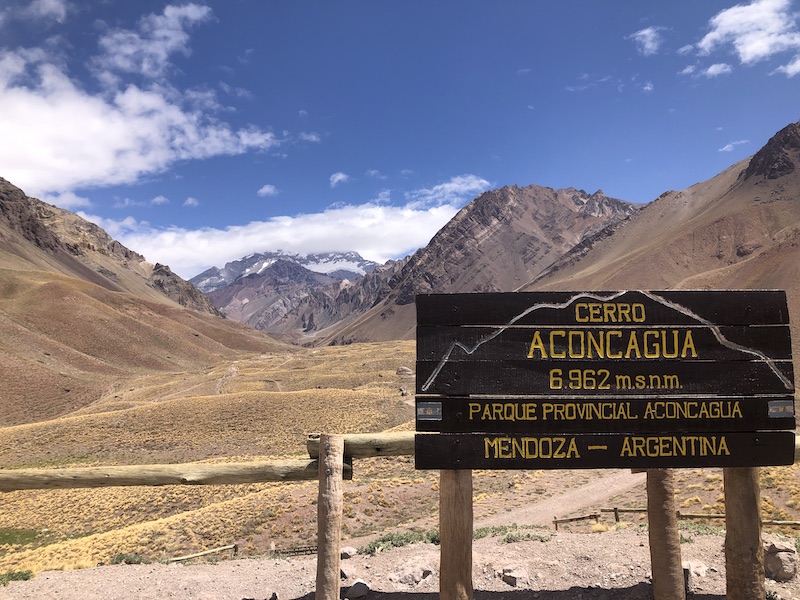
583	451
620	365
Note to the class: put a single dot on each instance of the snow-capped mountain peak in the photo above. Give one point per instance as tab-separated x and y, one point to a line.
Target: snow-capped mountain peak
339	265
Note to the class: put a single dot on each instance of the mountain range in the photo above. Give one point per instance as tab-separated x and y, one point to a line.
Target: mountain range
738	229
499	241
78	310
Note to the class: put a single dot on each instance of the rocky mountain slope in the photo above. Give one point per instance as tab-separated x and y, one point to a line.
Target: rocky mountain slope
37	235
738	230
80	312
495	243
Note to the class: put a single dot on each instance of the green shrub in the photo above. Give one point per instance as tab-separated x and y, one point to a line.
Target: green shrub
15	537
517	536
511	533
15	576
397	539
126	558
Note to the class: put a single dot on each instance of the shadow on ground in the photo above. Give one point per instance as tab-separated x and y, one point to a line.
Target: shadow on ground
641	591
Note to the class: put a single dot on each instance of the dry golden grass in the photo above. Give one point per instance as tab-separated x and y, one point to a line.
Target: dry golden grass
256	407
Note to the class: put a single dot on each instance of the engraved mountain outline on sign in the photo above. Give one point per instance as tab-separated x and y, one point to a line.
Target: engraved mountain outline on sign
608	297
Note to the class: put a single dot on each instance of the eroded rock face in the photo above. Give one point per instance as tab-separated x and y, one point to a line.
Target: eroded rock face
779	157
180	290
76	247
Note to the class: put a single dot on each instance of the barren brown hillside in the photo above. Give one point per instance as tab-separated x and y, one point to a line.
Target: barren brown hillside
66	341
80	313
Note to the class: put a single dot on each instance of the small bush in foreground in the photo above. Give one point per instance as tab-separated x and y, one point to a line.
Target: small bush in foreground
518	536
8	576
395	540
126	558
511	533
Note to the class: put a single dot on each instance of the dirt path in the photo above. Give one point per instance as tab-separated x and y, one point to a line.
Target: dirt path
590	495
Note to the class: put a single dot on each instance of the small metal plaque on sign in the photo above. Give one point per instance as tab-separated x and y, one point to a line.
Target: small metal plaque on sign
429	411
781	408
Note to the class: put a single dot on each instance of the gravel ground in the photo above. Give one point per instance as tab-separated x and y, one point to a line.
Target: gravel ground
614	565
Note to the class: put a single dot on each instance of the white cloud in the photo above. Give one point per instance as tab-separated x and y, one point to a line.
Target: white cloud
648	87
688	70
191	202
376	230
791	69
375	174
45	9
128	202
37	10
67	200
116	228
267	190
338	178
237	92
648	41
732	145
756	31
451	192
311	137
147	51
718	69
135	131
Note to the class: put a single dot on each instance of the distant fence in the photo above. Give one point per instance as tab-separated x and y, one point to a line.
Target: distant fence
699	516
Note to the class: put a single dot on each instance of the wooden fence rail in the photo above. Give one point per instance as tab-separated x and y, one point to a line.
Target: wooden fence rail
366	445
177	474
358	445
233	547
594	516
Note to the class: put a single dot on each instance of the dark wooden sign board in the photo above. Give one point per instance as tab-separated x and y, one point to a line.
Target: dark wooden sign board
615	379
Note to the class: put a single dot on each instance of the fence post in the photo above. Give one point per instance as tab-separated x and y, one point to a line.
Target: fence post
744	553
665	544
329	517
455	531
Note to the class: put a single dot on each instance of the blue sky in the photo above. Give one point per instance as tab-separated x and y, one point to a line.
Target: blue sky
199	132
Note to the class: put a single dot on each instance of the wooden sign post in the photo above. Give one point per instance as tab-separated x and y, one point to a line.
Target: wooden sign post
636	379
